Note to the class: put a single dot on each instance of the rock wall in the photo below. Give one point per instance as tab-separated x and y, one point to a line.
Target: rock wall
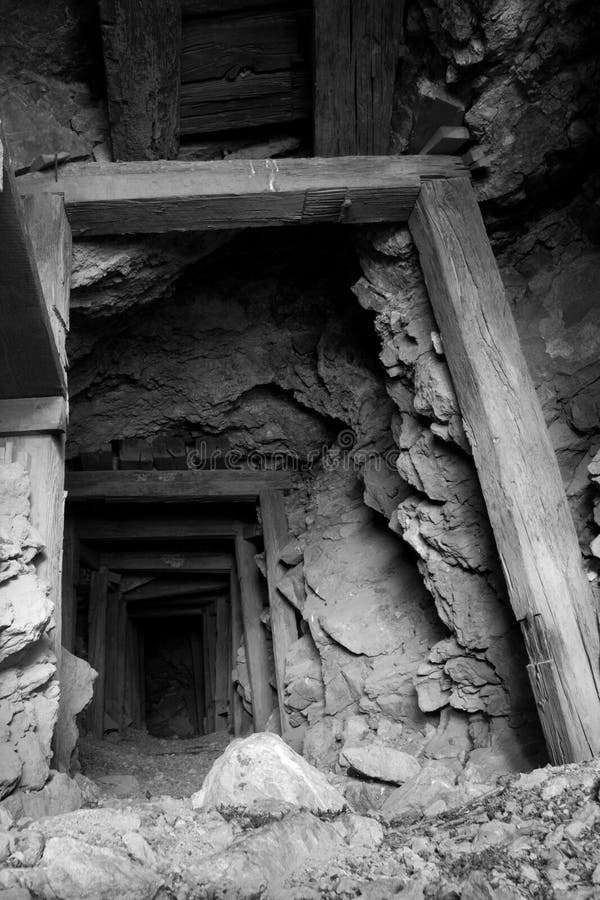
29	688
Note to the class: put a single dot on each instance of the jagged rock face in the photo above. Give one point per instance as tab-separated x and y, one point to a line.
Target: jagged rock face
28	685
527	74
260	346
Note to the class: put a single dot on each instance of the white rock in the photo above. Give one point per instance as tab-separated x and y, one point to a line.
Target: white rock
256	772
384	763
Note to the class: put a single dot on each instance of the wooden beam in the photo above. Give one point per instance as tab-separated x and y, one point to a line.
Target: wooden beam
175	563
50	235
30	364
209	628
222	664
192	8
181	196
142	51
236	639
517	466
113	698
165	588
251	595
356	51
283	617
97	648
263	99
33	415
70	577
198	486
155	528
198	675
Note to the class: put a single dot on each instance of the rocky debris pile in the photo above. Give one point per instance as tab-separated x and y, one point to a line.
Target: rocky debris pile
534	835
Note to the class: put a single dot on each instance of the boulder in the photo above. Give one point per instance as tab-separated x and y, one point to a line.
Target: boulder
76	691
431	784
385	763
261	771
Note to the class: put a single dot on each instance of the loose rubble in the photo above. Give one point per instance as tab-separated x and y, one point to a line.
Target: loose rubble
525	836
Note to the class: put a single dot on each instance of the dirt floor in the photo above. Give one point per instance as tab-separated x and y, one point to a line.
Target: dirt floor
161	766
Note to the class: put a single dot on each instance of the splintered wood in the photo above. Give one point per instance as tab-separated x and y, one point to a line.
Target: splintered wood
517	466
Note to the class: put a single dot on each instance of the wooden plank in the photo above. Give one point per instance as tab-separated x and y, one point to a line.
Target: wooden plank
222	664
198	486
447	139
142	50
178	196
70	577
112	697
30	364
209	624
517	467
97	648
245	102
251	596
249	41
356	51
33	415
185	606
132	582
283	617
155	528
142	671
50	235
198	675
169	588
192	8
167	614
236	639
175	563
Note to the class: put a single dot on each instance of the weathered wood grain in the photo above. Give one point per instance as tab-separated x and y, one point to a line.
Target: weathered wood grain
142	52
199	486
257	41
210	106
169	588
356	50
177	196
516	463
175	563
70	574
30	363
222	664
155	528
283	617
251	596
33	415
236	639
50	235
191	8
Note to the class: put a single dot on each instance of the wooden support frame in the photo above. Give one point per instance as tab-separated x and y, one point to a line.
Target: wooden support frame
97	648
188	486
175	563
517	466
283	616
122	198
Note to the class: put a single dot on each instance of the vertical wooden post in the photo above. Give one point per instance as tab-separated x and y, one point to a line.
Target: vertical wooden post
50	237
209	635
70	575
254	632
236	638
142	51
283	617
198	673
111	644
97	647
517	466
356	51
222	663
142	675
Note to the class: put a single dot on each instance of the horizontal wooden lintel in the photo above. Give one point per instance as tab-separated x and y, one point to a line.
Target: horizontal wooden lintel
186	486
150	197
33	415
174	563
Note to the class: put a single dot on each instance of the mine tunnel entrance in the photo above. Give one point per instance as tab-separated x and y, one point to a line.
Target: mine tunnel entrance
155	606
